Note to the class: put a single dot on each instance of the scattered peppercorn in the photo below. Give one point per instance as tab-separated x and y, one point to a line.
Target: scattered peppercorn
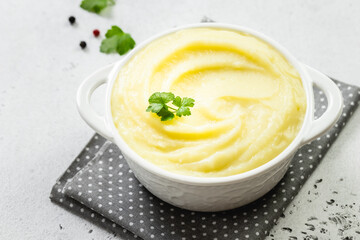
72	20
83	44
287	229
319	180
96	32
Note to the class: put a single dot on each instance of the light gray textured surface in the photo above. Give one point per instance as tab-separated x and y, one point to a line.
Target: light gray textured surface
41	66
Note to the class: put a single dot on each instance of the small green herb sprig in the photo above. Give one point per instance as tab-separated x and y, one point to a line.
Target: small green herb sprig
158	104
117	41
96	6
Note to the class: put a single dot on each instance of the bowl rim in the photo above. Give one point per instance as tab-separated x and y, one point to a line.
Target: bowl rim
131	155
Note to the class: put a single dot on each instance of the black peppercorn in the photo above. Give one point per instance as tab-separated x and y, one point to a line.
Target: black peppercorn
72	20
83	44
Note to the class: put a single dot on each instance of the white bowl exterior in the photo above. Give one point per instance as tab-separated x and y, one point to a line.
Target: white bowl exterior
210	198
211	194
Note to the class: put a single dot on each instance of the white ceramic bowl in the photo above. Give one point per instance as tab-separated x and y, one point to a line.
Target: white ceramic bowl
216	193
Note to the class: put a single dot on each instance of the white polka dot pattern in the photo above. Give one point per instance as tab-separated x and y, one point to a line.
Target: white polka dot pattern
100	186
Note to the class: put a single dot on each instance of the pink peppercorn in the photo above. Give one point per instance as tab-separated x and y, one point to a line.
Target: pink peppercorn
96	33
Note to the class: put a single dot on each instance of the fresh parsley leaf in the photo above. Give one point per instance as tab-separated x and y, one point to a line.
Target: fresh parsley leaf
117	41
184	108
115	30
154	107
158	104
96	6
125	43
177	101
183	111
163	97
187	102
109	45
165	114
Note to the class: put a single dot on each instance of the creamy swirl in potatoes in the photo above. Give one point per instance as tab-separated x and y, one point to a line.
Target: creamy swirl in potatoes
249	102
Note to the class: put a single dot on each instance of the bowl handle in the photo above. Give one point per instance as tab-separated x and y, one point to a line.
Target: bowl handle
334	109
84	93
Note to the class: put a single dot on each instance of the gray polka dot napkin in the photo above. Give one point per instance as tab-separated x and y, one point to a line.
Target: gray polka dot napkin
99	186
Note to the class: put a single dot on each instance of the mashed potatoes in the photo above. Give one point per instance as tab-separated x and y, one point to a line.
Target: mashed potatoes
249	102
